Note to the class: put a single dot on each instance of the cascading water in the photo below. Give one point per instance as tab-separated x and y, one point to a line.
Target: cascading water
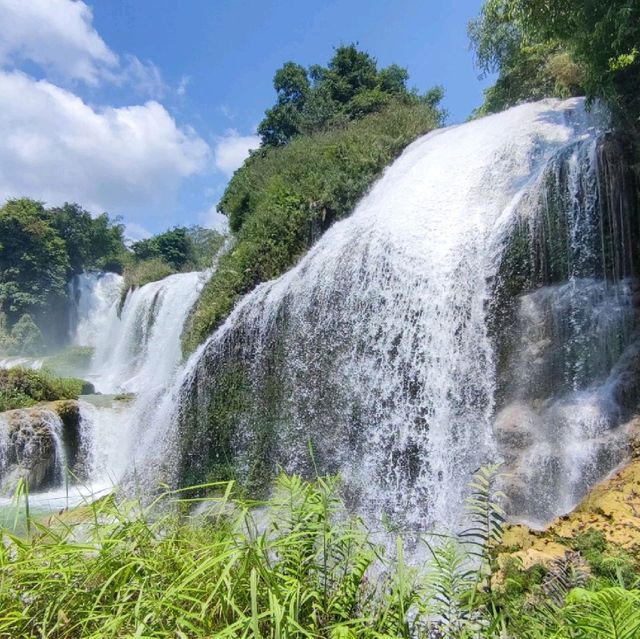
95	297
136	351
140	349
479	304
383	351
31	448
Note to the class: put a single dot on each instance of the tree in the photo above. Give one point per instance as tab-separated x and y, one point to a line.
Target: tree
33	260
556	47
92	243
173	247
320	98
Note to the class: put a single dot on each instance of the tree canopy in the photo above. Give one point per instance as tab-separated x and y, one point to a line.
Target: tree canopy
561	47
320	98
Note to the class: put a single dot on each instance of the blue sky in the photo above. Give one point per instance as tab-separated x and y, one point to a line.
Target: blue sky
144	108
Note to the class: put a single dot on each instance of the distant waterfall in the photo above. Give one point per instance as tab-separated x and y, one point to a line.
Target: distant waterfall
136	350
382	355
95	296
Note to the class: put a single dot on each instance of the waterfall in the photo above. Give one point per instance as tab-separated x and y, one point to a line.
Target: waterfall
137	353
140	349
382	354
95	297
480	304
137	350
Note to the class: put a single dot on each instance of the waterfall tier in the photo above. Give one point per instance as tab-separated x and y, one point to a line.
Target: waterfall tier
490	269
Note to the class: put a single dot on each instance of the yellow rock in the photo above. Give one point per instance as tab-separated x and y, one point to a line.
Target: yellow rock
612	507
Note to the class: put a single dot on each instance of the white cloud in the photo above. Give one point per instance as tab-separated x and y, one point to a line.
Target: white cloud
232	150
185	80
55	147
144	77
134	232
216	221
55	34
58	35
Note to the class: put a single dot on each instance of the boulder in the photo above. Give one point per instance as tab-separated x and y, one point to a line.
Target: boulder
36	444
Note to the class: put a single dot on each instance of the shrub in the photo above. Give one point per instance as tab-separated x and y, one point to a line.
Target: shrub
21	387
72	361
139	273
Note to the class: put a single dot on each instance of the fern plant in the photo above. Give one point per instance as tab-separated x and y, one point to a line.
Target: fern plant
452	604
611	613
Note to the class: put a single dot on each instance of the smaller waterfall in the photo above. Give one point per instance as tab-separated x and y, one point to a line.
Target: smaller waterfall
139	351
95	297
31	448
4	446
106	439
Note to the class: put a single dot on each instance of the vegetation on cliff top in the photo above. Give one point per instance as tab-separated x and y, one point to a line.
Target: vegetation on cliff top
307	176
177	250
21	388
542	48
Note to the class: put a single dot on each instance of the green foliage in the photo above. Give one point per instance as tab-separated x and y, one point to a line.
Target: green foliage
609	564
92	243
34	262
74	360
172	246
139	273
611	613
40	249
177	250
560	47
321	98
24	338
283	198
20	388
296	566
528	68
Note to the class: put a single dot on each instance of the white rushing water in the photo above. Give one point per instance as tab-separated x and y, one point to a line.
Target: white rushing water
137	352
375	349
94	297
392	351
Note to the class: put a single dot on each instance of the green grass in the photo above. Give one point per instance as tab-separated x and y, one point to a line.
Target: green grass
282	199
21	388
296	566
139	273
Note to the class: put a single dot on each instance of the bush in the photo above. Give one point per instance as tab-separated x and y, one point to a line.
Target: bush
139	273
283	199
21	388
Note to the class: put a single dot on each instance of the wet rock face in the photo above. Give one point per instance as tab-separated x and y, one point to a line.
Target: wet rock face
38	444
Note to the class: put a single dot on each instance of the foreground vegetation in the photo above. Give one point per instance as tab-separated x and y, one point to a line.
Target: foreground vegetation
21	388
295	566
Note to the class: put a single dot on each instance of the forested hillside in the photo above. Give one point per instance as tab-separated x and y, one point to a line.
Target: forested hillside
330	134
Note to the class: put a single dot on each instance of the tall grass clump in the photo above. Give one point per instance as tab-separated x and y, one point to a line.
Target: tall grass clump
296	566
